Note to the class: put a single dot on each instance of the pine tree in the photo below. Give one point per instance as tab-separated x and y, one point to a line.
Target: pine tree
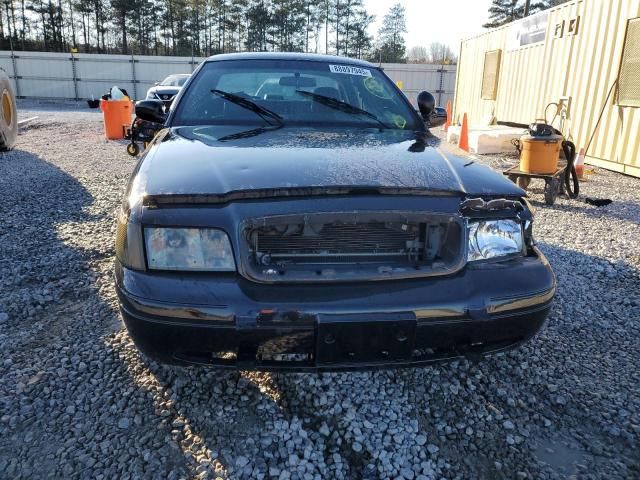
506	11
198	27
391	47
121	10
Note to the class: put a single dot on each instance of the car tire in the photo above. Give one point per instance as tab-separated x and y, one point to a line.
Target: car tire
8	113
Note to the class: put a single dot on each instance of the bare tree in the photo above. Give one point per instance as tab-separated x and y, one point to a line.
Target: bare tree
418	54
441	53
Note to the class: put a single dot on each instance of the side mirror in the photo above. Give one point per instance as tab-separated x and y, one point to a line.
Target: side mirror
432	115
426	104
155	84
151	110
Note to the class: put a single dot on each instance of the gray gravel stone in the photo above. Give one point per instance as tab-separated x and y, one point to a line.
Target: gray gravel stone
79	401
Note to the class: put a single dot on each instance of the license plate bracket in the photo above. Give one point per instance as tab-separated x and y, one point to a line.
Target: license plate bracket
369	338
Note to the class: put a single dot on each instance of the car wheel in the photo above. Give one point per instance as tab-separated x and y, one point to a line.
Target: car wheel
8	114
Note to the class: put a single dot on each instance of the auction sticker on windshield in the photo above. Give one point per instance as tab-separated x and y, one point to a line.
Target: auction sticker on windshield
350	70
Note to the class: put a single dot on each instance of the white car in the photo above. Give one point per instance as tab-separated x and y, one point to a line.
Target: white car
167	89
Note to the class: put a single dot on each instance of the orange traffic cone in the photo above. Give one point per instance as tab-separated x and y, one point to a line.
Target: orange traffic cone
463	141
579	164
447	124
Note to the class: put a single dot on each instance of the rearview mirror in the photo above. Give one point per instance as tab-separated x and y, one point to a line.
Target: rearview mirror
297	82
432	115
151	110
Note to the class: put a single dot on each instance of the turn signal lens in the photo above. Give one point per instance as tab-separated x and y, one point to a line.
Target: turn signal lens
129	243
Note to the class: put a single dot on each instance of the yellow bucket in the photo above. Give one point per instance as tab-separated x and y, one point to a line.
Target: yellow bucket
540	154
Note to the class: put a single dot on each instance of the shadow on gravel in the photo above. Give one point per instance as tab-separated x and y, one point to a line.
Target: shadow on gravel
78	400
560	405
69	407
35	198
252	423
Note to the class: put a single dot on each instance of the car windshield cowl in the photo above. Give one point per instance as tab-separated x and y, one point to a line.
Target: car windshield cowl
250	133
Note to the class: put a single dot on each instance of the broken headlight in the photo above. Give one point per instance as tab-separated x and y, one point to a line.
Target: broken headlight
188	249
494	238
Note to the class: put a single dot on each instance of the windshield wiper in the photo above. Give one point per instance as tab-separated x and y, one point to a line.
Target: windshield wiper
250	133
340	105
262	112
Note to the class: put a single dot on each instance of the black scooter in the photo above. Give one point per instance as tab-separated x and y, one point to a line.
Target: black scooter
140	131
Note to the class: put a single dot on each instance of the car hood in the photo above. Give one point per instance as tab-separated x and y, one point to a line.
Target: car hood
198	161
160	89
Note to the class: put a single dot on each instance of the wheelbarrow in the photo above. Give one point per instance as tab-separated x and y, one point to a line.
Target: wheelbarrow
553	182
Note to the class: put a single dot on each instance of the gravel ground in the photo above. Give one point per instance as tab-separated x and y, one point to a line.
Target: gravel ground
78	401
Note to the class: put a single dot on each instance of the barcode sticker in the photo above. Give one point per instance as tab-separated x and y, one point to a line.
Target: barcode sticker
350	70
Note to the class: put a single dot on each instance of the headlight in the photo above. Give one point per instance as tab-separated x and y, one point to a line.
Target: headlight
494	238
192	249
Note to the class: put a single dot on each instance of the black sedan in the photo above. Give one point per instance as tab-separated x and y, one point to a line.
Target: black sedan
318	225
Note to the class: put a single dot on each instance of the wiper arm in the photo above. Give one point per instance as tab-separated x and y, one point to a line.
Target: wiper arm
249	133
249	105
340	105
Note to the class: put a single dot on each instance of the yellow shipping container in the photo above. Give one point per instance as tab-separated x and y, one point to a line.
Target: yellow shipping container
572	53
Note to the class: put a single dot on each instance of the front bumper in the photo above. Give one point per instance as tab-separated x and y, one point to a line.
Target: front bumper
225	320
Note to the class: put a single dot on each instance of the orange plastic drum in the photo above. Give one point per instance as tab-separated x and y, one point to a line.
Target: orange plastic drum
117	117
540	154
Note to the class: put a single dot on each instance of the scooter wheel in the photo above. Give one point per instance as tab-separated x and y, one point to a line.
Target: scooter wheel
133	149
523	182
551	191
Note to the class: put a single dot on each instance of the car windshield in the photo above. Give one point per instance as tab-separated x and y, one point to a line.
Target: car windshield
301	92
174	81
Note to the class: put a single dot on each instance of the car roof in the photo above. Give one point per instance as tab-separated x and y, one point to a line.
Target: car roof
311	57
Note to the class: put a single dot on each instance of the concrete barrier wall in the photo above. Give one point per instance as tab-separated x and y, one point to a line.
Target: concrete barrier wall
83	75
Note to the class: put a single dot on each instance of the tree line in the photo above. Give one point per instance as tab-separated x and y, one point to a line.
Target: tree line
200	27
208	27
502	12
